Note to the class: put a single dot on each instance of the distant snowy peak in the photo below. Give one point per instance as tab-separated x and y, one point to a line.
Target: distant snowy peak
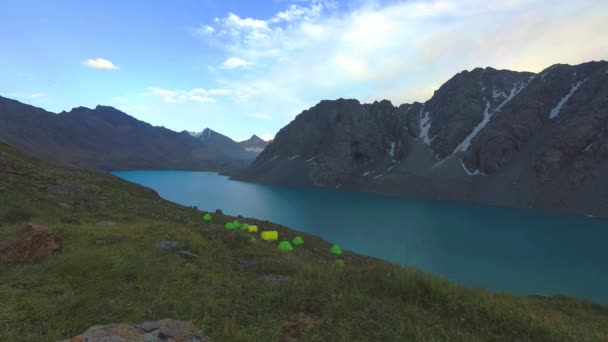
254	144
205	134
195	134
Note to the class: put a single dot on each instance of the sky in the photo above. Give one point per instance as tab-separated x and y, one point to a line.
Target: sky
249	67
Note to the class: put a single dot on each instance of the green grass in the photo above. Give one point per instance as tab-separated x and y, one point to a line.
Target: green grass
127	279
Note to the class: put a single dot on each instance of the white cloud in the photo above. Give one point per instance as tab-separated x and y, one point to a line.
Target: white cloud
100	63
400	50
233	62
297	13
194	95
234	20
204	30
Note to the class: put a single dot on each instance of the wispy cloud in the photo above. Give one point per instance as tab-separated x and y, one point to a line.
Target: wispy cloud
204	30
233	62
398	50
195	95
100	63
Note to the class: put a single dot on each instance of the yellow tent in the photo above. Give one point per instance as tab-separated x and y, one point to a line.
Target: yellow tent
253	229
270	235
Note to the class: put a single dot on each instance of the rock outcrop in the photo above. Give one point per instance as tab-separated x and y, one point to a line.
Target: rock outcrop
492	136
32	241
166	330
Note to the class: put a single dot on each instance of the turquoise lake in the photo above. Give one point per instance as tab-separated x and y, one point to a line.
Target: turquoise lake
507	250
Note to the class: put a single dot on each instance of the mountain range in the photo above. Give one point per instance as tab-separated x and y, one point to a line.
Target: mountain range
104	138
522	139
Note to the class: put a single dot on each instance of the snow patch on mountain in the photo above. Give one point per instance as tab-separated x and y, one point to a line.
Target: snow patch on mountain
391	151
555	111
425	125
470	173
487	115
496	94
392	166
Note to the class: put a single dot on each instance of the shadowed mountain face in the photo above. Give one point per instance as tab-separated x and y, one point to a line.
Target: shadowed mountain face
491	136
108	139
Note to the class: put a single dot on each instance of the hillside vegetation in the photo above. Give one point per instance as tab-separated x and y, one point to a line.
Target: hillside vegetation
110	271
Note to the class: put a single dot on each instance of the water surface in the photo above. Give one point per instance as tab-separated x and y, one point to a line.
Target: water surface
510	250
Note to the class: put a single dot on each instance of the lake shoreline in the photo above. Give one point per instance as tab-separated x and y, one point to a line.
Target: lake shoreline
521	244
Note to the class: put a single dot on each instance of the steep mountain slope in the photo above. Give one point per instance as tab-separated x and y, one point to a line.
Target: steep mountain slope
254	144
491	136
130	256
106	138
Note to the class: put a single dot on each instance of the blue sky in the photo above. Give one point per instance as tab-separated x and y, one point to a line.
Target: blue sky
243	67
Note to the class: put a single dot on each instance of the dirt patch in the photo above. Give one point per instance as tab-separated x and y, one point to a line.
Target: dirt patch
32	241
295	328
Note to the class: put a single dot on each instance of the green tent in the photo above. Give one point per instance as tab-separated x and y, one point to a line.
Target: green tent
340	263
336	249
252	240
207	217
236	224
230	225
285	246
245	226
297	240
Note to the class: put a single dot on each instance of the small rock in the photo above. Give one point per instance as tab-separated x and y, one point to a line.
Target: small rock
69	220
245	264
188	254
106	223
274	279
166	244
376	306
219	211
32	241
164	330
240	216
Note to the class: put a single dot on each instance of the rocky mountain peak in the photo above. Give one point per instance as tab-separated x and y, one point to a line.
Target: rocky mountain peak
527	139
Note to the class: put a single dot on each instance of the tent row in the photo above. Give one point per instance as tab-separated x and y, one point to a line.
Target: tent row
273	235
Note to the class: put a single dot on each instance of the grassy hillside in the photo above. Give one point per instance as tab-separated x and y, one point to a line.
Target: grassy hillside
111	271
